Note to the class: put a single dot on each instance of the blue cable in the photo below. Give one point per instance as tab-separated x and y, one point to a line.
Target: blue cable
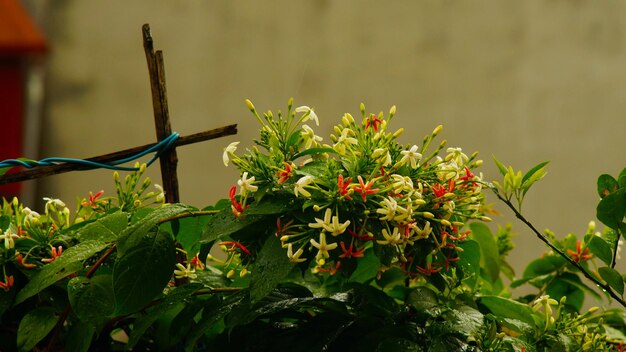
158	148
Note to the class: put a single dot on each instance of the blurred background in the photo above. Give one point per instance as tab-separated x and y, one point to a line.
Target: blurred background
526	81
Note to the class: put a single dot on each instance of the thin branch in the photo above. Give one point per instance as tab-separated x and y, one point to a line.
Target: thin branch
95	267
44	171
616	247
588	275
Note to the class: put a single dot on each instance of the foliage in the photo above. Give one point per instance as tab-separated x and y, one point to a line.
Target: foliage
362	244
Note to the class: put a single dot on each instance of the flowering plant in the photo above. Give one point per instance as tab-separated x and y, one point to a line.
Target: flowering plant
360	244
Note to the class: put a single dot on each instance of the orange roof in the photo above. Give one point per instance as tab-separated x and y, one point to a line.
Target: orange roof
18	33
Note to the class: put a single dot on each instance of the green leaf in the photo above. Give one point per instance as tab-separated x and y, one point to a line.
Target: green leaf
91	299
366	268
143	271
188	232
105	229
612	208
271	267
469	262
507	308
225	223
422	298
542	266
621	178
177	296
67	264
613	278
575	280
35	325
489	255
133	234
500	166
606	185
311	151
600	248
533	175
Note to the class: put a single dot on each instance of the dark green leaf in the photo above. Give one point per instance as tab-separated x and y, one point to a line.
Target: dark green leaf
143	271
212	277
177	296
612	208
316	169
134	233
225	223
35	325
422	298
507	308
279	203
105	229
601	249
606	185
613	278
91	299
5	221
396	344
489	255
79	337
558	289
214	311
271	267
67	264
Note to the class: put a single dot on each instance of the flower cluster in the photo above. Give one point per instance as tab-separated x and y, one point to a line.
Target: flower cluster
364	190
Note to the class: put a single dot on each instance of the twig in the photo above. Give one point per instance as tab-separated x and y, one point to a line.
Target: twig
107	158
588	275
95	267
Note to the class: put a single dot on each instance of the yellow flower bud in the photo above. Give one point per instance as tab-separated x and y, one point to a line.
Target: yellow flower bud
250	105
437	130
231	273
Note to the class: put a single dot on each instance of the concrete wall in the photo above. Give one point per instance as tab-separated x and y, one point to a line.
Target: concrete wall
527	81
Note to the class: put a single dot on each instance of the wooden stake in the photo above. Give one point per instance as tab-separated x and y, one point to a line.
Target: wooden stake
44	171
169	159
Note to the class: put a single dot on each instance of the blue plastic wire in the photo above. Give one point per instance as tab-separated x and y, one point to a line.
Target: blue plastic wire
158	148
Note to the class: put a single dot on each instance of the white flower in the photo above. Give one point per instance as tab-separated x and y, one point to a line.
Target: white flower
229	150
294	257
53	204
321	224
301	183
31	217
160	197
401	183
8	239
457	155
310	139
411	156
389	208
335	227
423	232
246	183
393	238
184	272
309	114
323	247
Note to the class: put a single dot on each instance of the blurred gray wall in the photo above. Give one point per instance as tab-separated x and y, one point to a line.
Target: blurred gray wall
526	81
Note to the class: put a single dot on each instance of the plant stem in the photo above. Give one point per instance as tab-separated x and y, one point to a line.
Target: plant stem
616	247
558	251
190	214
